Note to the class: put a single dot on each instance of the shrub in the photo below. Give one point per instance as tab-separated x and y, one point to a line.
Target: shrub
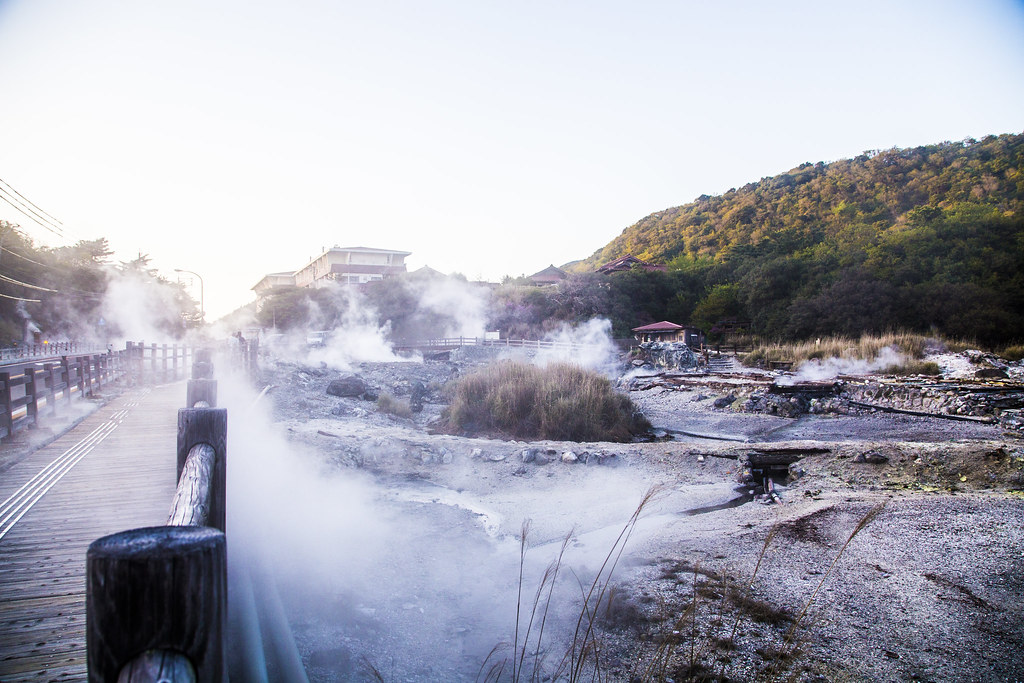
386	403
1013	353
914	367
561	402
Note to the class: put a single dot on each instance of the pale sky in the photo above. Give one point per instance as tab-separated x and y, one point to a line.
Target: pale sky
236	138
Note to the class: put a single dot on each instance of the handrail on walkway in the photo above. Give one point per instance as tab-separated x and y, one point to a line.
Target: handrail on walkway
456	342
28	387
156	598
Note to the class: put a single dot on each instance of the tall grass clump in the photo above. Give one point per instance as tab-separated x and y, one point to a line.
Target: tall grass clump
867	347
560	401
386	403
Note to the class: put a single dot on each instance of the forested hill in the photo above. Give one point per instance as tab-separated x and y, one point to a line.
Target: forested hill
923	238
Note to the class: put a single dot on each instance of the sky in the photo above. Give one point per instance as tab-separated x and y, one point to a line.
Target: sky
237	138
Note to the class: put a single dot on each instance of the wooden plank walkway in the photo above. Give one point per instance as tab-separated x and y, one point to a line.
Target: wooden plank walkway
114	471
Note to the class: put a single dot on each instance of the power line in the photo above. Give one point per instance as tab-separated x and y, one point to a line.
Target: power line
31	215
25	284
14	253
36	206
18	298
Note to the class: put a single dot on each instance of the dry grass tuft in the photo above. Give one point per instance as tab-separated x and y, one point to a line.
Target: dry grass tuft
561	402
386	403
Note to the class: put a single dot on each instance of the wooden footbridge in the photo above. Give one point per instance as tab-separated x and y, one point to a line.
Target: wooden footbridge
112	552
110	473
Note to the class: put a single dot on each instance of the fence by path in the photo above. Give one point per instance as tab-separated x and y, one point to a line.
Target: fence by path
32	390
447	343
48	350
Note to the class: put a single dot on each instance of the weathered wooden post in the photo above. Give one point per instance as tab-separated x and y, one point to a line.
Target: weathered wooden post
207	426
153	593
49	382
7	419
80	376
163	364
65	378
201	393
202	368
31	393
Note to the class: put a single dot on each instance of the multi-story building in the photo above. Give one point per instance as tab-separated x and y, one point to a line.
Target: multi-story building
350	265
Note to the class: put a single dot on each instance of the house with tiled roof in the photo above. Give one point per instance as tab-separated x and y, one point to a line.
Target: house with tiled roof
666	331
627	262
549	276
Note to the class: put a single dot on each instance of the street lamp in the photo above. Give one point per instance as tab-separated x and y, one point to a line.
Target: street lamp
202	305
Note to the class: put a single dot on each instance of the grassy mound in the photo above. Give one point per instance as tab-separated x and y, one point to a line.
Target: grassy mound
560	402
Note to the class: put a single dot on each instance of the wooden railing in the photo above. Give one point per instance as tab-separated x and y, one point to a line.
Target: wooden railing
156	598
456	342
29	391
33	390
48	350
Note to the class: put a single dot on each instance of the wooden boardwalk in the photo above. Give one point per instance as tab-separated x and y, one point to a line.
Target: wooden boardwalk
114	471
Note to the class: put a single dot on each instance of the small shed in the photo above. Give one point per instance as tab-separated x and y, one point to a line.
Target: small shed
666	331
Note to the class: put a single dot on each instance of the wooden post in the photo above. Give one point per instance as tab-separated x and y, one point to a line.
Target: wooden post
7	419
207	426
201	390
158	588
98	363
174	361
65	378
86	374
152	360
202	368
164	365
32	394
48	387
80	376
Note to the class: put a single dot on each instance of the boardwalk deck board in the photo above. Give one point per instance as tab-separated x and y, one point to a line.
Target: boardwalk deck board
126	481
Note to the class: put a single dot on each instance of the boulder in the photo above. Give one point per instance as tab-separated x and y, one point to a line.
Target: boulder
670	355
723	402
569	457
347	387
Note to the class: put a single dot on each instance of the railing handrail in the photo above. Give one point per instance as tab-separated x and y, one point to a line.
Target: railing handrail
33	383
445	342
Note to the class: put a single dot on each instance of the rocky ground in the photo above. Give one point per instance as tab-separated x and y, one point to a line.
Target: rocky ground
928	588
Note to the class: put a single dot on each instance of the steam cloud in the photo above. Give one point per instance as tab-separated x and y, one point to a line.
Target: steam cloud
588	345
462	304
830	368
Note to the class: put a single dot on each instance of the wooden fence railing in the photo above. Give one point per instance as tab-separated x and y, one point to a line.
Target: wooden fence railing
48	350
455	342
156	598
33	390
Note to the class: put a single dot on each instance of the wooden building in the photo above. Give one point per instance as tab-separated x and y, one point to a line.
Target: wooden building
666	331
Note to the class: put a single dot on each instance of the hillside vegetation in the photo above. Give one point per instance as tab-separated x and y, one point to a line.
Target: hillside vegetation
925	239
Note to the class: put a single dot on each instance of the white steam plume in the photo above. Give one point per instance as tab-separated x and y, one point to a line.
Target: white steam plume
464	304
137	308
358	338
830	368
588	345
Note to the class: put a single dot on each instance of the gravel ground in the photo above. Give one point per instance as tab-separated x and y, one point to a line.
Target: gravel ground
930	589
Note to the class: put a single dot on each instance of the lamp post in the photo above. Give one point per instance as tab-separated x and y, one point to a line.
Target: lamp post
202	305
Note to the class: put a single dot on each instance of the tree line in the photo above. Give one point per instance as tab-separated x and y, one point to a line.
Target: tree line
76	293
924	239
